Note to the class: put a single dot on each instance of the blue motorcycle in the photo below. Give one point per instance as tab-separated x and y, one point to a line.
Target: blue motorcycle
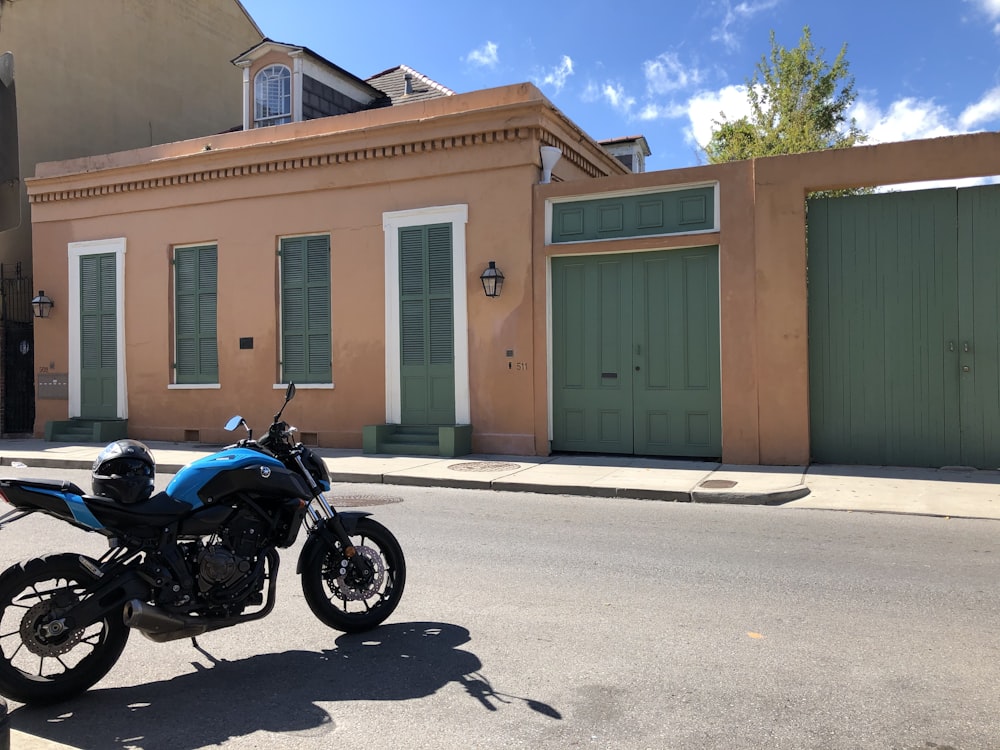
199	556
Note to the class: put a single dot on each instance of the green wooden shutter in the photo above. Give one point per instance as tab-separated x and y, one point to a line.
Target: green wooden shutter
427	346
411	284
442	330
98	336
196	355
306	348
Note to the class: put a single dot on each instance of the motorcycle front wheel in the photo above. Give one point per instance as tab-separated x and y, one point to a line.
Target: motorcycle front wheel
355	595
38	662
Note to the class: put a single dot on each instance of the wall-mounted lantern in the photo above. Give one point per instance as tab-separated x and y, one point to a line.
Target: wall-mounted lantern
41	305
492	279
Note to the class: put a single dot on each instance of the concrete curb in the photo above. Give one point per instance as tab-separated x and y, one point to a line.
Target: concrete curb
772	497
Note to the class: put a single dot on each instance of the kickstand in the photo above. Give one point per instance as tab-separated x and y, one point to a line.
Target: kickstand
203	652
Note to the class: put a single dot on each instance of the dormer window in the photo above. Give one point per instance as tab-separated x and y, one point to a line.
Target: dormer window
272	96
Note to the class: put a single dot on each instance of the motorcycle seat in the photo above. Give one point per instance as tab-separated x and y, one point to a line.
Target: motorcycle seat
59	485
158	511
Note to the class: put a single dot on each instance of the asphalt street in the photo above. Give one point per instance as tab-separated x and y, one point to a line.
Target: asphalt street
571	622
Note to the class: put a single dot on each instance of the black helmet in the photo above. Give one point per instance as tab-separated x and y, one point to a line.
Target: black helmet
124	472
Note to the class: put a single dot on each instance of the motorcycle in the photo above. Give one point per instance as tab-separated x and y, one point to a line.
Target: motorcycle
197	557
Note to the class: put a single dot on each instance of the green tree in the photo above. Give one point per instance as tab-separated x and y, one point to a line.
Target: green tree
798	102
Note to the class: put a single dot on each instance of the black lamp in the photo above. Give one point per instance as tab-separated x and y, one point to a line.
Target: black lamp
492	279
41	305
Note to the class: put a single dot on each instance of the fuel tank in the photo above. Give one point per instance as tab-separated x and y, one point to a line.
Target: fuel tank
232	471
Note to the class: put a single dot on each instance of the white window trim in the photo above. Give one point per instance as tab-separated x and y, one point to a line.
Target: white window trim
392	221
76	251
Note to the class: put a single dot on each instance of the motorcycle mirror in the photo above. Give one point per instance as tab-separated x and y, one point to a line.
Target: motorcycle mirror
289	395
235	422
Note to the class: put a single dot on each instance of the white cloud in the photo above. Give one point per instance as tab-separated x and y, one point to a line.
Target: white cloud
708	107
556	78
653	111
666	74
486	56
738	13
905	120
985	111
614	94
992	10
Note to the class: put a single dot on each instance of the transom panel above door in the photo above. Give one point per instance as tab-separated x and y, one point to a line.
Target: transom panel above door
635	350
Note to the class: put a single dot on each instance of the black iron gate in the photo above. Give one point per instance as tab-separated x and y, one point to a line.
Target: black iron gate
17	383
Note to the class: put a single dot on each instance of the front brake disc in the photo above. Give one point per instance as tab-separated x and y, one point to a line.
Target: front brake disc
353	590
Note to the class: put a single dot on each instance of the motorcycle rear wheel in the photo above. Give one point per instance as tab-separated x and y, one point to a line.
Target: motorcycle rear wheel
353	603
37	668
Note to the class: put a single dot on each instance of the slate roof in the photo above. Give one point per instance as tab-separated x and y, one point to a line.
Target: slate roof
392	83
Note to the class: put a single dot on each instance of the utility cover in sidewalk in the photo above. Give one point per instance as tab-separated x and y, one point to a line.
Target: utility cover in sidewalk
484	466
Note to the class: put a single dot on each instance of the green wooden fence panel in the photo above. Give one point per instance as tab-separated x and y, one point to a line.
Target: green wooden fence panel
883	328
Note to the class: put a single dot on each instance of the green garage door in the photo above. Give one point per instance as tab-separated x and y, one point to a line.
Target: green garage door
903	328
636	353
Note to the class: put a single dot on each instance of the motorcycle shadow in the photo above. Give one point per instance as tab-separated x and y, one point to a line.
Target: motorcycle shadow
274	692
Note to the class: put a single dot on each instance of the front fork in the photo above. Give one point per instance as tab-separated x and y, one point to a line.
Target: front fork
334	531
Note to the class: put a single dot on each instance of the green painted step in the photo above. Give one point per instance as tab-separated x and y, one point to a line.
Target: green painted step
419	440
86	430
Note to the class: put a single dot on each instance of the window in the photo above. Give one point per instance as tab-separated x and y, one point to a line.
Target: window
305	310
196	355
272	94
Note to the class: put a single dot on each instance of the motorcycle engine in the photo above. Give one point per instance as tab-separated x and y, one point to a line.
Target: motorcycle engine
222	566
219	566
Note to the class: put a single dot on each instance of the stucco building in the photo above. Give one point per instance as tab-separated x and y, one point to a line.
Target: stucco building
666	313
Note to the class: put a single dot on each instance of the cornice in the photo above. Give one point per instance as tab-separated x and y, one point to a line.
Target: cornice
251	160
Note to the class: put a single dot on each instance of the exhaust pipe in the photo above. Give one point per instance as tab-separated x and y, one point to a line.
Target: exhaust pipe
161	626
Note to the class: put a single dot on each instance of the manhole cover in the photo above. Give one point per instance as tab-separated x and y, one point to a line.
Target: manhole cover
363	501
717	484
484	466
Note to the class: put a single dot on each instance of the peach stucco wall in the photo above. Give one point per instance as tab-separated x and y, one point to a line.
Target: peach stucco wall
336	176
762	273
339	176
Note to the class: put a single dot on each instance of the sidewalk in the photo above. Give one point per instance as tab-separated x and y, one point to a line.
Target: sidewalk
945	492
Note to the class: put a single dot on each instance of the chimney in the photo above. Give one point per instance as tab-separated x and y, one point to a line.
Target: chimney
407	84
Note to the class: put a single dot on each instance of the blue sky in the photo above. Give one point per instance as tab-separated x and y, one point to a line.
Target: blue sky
665	69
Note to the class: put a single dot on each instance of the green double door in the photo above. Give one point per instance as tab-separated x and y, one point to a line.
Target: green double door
98	337
635	350
904	328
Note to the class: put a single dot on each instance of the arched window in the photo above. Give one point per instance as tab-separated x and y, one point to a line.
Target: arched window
272	95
